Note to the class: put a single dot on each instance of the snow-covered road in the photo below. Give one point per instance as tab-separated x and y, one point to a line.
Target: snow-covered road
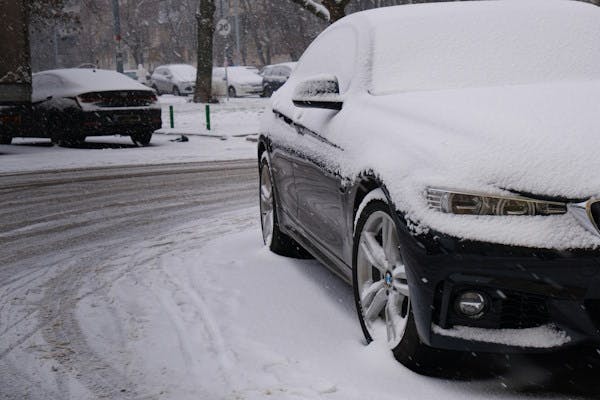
151	282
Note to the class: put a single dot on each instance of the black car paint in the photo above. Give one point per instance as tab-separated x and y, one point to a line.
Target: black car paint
317	209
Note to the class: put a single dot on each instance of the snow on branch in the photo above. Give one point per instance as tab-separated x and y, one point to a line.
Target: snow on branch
315	8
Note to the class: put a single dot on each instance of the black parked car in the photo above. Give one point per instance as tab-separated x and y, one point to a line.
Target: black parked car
441	158
70	104
274	76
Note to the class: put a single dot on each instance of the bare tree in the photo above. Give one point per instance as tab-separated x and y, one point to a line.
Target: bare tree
205	31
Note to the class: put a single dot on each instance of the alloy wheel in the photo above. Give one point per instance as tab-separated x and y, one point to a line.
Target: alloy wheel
266	204
381	279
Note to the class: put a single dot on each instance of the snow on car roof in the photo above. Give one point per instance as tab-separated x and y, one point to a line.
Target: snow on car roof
183	72
481	43
80	80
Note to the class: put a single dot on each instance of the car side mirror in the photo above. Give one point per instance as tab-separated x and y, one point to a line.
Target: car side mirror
318	92
169	77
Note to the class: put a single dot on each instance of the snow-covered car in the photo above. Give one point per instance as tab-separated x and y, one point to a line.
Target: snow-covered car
442	159
236	81
274	76
70	104
177	79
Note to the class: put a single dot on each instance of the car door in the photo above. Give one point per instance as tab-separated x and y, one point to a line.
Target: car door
319	187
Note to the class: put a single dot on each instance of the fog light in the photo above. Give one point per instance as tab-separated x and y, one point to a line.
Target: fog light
471	304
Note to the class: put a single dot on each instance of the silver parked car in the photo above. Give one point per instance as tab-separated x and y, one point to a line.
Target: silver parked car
177	79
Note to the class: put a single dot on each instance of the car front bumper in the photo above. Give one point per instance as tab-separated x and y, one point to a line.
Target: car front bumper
537	300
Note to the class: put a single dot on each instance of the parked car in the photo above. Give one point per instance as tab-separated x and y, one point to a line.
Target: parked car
70	104
139	75
274	76
237	81
441	158
177	79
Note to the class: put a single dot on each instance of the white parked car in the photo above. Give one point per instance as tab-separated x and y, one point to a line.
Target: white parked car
177	79
237	81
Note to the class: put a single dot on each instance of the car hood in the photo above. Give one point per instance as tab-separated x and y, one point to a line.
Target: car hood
76	81
532	139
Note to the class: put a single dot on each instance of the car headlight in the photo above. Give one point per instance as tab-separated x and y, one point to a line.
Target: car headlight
480	204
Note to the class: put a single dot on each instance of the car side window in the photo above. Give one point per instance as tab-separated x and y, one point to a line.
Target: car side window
327	56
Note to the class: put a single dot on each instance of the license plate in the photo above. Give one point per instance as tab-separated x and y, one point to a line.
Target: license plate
128	119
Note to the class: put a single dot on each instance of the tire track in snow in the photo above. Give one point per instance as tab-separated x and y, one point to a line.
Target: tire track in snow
60	263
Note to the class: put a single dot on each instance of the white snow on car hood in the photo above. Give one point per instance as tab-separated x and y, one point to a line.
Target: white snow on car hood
538	139
75	81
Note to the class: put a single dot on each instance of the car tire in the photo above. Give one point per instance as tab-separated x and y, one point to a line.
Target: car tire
141	139
382	295
232	92
5	139
156	89
176	91
277	241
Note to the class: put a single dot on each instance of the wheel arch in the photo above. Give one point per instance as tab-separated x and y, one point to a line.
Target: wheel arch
365	183
263	145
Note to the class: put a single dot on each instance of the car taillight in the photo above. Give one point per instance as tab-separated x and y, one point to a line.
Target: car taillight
10	119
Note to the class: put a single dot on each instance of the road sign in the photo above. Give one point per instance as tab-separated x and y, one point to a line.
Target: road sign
223	27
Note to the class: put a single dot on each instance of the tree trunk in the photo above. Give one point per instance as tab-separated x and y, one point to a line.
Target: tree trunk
206	29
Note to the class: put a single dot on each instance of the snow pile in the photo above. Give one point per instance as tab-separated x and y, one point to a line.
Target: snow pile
545	336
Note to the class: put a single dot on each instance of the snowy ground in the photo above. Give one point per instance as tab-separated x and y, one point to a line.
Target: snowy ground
234	122
151	282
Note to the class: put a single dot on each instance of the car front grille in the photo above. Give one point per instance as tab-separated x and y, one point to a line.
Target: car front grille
523	310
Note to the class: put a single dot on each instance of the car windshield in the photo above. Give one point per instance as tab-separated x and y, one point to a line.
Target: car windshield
469	47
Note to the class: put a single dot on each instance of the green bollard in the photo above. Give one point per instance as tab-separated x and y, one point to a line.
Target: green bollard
172	117
207	109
